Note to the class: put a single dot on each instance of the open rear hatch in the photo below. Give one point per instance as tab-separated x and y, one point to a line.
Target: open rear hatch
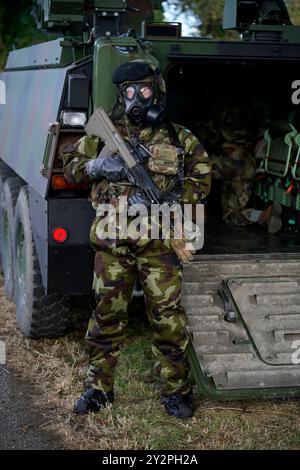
244	321
242	292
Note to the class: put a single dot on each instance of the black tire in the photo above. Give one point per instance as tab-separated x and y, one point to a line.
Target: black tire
5	172
8	198
38	315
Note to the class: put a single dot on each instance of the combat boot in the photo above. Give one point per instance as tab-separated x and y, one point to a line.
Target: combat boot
178	405
92	401
275	222
272	218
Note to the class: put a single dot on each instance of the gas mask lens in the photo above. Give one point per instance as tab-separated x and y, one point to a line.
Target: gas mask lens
129	92
146	92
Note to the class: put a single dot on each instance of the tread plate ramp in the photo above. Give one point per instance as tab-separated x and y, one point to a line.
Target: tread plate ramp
256	351
270	309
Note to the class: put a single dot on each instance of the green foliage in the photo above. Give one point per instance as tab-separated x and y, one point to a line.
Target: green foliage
158	15
17	27
210	14
294	10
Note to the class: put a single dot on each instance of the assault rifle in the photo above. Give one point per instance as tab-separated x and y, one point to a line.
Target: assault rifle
100	125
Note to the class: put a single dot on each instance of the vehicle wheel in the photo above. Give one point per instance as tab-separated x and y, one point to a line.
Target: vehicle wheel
38	315
8	198
5	172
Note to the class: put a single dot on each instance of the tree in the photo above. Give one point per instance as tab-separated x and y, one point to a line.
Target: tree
210	14
294	9
17	26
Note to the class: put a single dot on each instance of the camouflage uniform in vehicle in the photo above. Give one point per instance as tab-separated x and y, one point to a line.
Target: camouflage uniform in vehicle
118	261
231	148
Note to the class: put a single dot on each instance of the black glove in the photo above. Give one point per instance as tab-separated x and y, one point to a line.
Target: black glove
112	168
171	198
139	198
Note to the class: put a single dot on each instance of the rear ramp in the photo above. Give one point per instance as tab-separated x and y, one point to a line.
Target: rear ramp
244	323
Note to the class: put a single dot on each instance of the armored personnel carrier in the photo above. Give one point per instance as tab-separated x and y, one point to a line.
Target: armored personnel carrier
242	291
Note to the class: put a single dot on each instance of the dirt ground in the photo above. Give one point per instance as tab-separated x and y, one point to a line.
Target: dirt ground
42	379
21	421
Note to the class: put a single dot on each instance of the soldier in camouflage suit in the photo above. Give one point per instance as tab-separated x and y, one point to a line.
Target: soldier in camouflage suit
231	147
230	136
118	261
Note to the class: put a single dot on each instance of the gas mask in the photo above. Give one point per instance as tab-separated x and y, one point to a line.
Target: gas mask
140	107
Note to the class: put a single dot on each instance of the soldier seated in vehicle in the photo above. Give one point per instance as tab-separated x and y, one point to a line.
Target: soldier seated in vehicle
230	140
138	114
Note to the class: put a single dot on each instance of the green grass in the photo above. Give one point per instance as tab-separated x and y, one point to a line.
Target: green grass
249	425
56	369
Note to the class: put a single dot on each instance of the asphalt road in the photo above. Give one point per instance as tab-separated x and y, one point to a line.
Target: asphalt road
20	421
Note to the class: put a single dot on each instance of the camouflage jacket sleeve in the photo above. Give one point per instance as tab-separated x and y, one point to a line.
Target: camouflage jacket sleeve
75	158
197	168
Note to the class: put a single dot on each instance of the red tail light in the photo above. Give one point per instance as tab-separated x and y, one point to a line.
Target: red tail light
59	235
59	182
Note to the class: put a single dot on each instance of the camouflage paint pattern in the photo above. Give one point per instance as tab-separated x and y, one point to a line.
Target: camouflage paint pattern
33	101
48	54
118	261
34	89
232	148
197	166
160	275
237	170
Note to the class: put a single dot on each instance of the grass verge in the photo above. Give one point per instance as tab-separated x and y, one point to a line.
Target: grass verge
56	370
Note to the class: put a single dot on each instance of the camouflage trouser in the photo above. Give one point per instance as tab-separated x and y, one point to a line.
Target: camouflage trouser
237	169
160	274
236	196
